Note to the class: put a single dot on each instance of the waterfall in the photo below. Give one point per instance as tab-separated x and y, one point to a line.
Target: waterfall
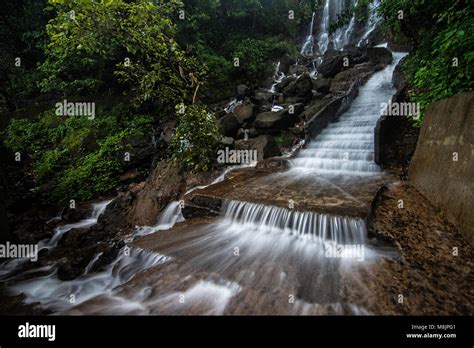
277	77
8	268
309	226
308	45
323	39
167	219
343	36
55	294
346	147
97	210
371	23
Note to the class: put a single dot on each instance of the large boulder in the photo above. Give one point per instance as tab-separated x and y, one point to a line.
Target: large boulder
273	122
343	80
301	87
331	65
442	167
243	112
399	78
297	69
333	61
229	125
322	85
265	145
262	96
284	83
165	184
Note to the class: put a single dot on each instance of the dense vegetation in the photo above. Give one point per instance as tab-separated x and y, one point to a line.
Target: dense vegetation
138	61
145	63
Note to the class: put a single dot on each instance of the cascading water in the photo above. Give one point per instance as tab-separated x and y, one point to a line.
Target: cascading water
328	15
371	23
278	76
346	147
97	210
323	38
12	266
308	46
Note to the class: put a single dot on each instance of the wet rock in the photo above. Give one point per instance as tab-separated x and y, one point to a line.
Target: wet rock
107	257
399	78
294	100
251	133
332	64
229	125
243	112
227	141
75	214
314	108
129	176
273	122
69	269
284	83
265	145
343	81
274	164
301	87
322	85
262	96
298	70
353	73
166	183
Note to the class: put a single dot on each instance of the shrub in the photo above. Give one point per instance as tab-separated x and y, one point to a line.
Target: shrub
196	137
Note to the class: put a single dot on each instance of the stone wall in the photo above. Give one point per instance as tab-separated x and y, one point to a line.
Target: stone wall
442	167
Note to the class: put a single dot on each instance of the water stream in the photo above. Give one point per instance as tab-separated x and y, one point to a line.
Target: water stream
253	259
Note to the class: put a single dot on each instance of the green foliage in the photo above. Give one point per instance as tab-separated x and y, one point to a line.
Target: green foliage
76	156
441	33
195	149
255	55
257	32
100	43
21	36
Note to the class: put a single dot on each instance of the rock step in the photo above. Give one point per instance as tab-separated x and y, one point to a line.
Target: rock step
335	164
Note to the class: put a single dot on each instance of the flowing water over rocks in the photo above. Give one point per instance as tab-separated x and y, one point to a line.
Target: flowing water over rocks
280	257
290	242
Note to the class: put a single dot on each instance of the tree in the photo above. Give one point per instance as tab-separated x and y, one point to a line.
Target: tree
127	46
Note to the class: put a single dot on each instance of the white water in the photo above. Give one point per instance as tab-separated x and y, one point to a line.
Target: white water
43	285
308	46
97	210
55	294
346	147
264	234
168	217
278	76
8	268
371	23
308	226
342	36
